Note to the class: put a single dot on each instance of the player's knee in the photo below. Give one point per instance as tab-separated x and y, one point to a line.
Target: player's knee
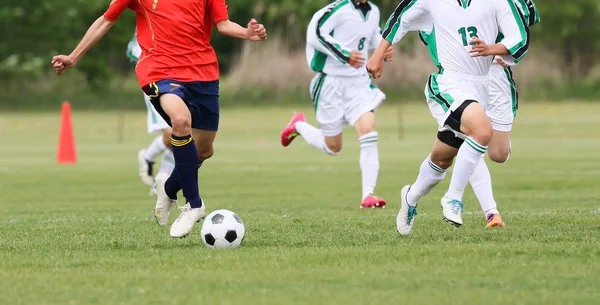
334	149
182	125
499	154
482	131
206	153
442	162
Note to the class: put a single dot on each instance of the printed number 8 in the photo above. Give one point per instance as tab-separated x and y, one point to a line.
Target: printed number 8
463	32
361	44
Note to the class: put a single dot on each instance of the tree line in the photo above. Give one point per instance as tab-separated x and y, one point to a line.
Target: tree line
33	31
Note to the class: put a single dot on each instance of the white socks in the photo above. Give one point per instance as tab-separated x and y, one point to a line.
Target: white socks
369	162
155	149
313	136
167	163
429	176
468	156
481	182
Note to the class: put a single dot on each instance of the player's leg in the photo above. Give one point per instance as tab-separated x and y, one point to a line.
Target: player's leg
433	168
474	123
147	157
330	115
431	172
204	100
362	98
501	110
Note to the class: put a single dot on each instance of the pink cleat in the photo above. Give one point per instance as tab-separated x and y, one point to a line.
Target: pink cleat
371	202
289	132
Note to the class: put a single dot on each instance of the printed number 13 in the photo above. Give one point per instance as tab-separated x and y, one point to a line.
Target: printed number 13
154	5
463	32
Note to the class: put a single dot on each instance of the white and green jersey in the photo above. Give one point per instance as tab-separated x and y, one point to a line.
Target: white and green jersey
134	51
338	29
453	23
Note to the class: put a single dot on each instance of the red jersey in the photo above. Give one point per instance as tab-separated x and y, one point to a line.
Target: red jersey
175	37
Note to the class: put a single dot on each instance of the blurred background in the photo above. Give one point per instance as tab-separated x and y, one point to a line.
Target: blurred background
562	62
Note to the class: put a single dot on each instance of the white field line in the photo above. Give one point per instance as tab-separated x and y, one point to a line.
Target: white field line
151	219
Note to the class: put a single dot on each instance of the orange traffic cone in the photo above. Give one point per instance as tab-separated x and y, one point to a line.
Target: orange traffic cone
66	141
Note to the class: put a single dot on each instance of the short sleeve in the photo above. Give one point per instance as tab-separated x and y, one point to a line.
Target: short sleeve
218	11
115	9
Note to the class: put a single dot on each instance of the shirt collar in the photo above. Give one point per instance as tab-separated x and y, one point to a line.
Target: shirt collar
357	5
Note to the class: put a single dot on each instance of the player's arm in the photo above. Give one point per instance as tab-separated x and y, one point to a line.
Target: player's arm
96	31
254	32
220	17
409	15
374	43
319	35
516	34
534	15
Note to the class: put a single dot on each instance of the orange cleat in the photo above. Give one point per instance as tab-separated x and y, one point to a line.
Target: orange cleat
289	133
494	220
371	202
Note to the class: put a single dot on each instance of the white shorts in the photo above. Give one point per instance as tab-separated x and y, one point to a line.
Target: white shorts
155	121
448	91
504	99
340	100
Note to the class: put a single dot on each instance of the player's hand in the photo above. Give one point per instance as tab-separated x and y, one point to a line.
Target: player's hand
501	62
356	59
389	53
256	31
480	48
375	66
62	63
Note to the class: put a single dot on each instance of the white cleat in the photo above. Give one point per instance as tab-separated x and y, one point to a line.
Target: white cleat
184	224
406	216
145	168
452	210
163	202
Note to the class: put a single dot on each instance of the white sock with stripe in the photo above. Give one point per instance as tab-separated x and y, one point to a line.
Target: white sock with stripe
481	182
313	136
167	163
369	162
429	176
156	148
468	157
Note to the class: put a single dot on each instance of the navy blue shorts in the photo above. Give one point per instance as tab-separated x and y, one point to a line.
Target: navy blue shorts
202	99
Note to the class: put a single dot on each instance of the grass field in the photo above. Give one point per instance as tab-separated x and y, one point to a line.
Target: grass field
85	233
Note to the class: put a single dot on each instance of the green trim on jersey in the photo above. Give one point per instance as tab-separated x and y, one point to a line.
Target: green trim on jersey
316	92
393	23
433	91
523	31
340	53
318	61
430	42
536	20
465	3
513	91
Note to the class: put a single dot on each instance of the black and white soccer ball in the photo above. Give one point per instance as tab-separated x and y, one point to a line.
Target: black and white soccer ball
222	229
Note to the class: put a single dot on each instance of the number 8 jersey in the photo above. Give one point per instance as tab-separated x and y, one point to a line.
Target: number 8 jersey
338	29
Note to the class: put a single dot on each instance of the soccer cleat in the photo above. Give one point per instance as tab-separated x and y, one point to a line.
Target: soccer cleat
289	133
163	202
494	220
145	168
406	216
372	202
184	224
452	210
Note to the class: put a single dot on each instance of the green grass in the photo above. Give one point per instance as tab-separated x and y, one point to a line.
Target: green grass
85	233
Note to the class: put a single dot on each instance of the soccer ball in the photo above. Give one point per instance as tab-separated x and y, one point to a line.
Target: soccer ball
222	229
